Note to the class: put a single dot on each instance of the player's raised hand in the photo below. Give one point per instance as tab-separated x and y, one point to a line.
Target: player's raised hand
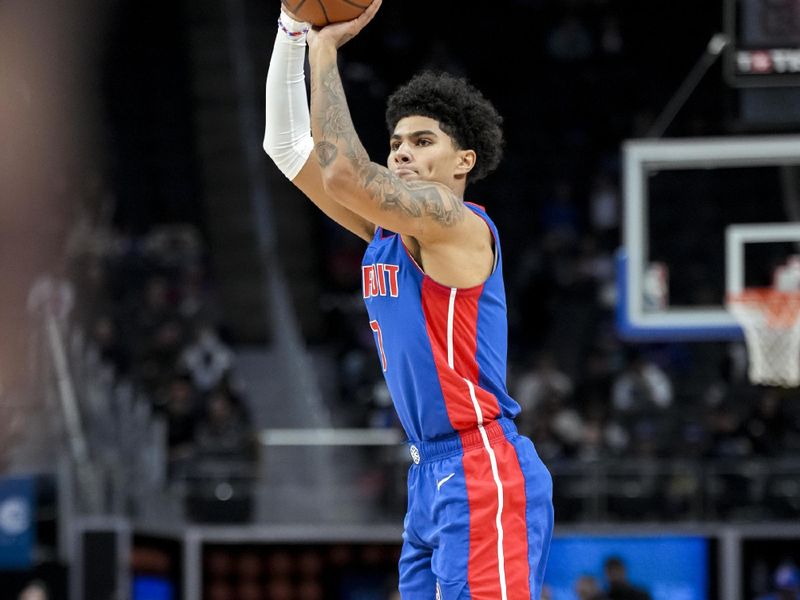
341	33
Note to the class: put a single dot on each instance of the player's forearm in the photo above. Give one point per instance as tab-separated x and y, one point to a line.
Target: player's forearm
349	178
342	157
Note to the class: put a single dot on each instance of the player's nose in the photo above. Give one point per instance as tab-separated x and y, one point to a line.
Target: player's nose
402	154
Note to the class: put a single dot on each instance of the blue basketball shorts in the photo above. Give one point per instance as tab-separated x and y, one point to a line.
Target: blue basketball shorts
480	517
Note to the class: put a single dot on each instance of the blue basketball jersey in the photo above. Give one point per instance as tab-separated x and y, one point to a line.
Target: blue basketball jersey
442	350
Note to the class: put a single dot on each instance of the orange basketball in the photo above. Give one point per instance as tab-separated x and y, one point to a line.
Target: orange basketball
322	12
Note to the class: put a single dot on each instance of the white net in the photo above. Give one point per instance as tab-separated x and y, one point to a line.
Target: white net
771	323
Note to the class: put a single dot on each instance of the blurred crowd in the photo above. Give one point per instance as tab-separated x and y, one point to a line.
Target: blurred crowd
146	303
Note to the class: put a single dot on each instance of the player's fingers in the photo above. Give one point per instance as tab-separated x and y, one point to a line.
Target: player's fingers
367	16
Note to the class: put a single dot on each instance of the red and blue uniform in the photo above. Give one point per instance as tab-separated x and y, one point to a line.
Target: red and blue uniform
480	513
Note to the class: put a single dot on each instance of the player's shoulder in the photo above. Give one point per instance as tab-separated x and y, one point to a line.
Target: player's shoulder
480	211
475	206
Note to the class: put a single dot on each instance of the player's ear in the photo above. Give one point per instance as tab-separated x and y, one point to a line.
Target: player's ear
465	161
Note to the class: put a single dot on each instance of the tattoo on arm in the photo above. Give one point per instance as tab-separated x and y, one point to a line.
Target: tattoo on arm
443	206
415	198
435	202
326	153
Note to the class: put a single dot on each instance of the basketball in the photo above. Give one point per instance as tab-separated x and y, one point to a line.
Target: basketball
322	12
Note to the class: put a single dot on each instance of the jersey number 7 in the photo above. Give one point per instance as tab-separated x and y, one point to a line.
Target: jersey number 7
379	336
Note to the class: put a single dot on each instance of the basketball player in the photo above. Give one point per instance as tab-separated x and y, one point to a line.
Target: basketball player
480	514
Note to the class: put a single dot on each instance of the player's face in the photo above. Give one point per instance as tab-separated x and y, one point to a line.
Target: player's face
420	150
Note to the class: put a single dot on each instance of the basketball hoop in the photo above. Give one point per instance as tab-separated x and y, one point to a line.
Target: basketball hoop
770	319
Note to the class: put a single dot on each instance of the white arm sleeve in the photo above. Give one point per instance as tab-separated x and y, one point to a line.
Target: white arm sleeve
287	131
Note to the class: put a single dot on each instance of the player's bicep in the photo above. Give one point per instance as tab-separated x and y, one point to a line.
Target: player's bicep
422	209
309	181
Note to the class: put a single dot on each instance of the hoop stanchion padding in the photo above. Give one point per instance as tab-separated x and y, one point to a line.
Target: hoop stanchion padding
771	322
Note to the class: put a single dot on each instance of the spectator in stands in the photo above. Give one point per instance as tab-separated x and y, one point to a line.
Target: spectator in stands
182	418
563	431
619	588
600	437
640	395
567	426
727	439
597	377
174	246
160	352
156	305
543	391
588	588
726	434
157	333
543	380
548	445
594	272
225	430
104	334
35	590
786	582
641	387
196	300
769	427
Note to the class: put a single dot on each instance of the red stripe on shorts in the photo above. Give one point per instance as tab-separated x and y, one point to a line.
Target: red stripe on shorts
515	524
483	574
483	570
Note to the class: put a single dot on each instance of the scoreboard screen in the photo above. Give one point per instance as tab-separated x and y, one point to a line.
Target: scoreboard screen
765	42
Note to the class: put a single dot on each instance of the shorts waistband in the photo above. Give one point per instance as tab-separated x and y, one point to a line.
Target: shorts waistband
461	441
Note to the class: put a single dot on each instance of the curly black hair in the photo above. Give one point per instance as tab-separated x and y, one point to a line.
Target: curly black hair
462	111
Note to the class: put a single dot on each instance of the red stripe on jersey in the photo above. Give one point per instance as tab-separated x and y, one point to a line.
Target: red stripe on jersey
436	307
515	531
465	334
457	401
465	348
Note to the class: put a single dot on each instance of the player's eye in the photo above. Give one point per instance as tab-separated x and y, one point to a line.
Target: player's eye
423	142
394	146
